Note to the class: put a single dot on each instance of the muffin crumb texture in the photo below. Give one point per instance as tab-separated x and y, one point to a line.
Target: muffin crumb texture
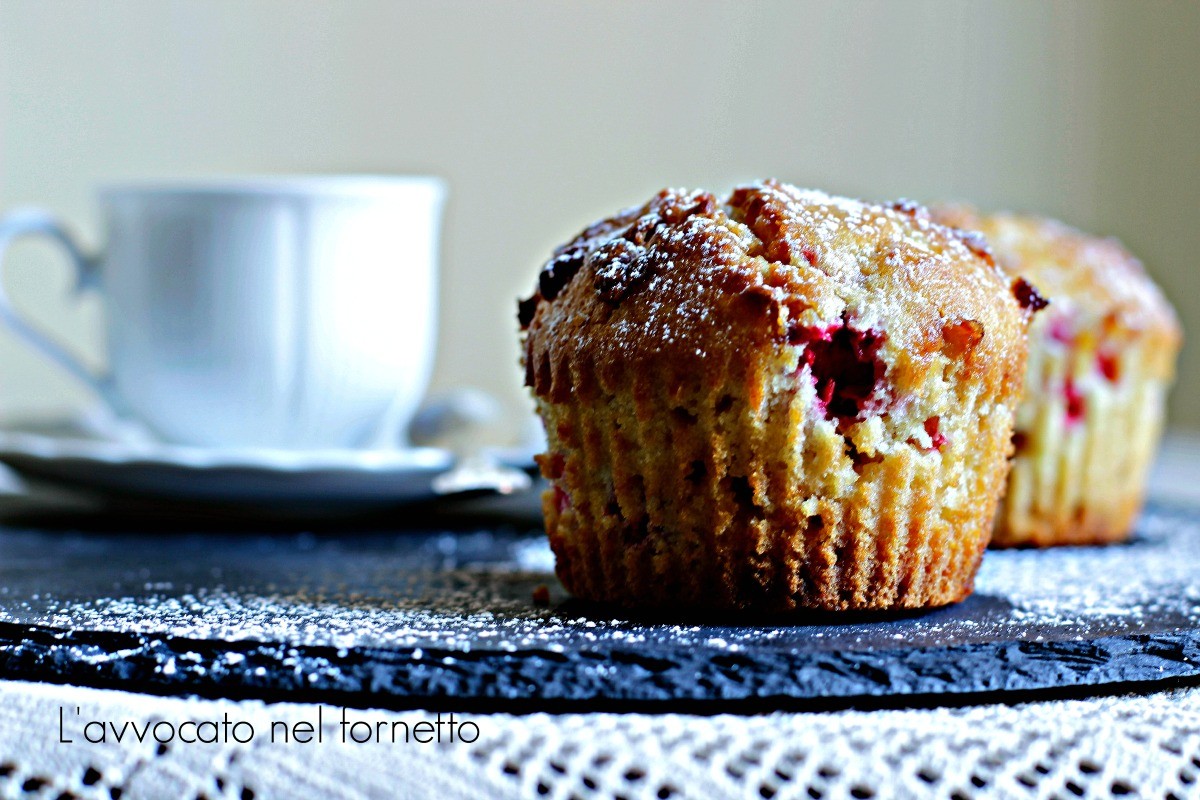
772	400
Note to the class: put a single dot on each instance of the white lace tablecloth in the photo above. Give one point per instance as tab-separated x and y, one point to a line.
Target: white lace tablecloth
1143	746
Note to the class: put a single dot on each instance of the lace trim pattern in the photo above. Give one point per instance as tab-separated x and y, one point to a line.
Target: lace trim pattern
1128	745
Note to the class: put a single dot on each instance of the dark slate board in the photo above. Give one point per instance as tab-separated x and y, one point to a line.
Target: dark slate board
447	619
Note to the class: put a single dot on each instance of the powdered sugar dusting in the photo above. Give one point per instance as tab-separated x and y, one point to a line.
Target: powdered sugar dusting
675	281
464	592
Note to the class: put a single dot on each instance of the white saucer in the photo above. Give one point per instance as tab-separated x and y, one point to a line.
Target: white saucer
66	453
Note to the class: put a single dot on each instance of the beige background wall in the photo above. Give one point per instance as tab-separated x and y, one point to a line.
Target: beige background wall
544	115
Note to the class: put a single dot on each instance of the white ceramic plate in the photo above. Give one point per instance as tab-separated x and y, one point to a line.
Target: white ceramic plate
65	453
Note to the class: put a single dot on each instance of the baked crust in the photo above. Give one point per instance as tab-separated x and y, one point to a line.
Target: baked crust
777	399
693	272
1093	281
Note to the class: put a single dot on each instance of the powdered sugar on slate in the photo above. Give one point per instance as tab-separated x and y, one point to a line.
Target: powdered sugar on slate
469	591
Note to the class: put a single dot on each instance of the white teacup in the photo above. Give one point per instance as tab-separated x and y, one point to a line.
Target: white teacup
289	313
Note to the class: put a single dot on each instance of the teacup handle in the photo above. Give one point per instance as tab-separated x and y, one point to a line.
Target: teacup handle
35	222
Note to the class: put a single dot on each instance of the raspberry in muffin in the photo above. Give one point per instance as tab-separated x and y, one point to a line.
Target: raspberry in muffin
1101	360
772	400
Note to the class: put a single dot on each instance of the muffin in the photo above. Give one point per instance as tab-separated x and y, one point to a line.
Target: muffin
1101	360
774	400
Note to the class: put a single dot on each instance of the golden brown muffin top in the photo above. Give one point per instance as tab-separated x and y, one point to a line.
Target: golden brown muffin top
688	281
1092	282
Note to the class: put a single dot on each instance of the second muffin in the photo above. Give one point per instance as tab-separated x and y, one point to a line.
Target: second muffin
1102	357
778	399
